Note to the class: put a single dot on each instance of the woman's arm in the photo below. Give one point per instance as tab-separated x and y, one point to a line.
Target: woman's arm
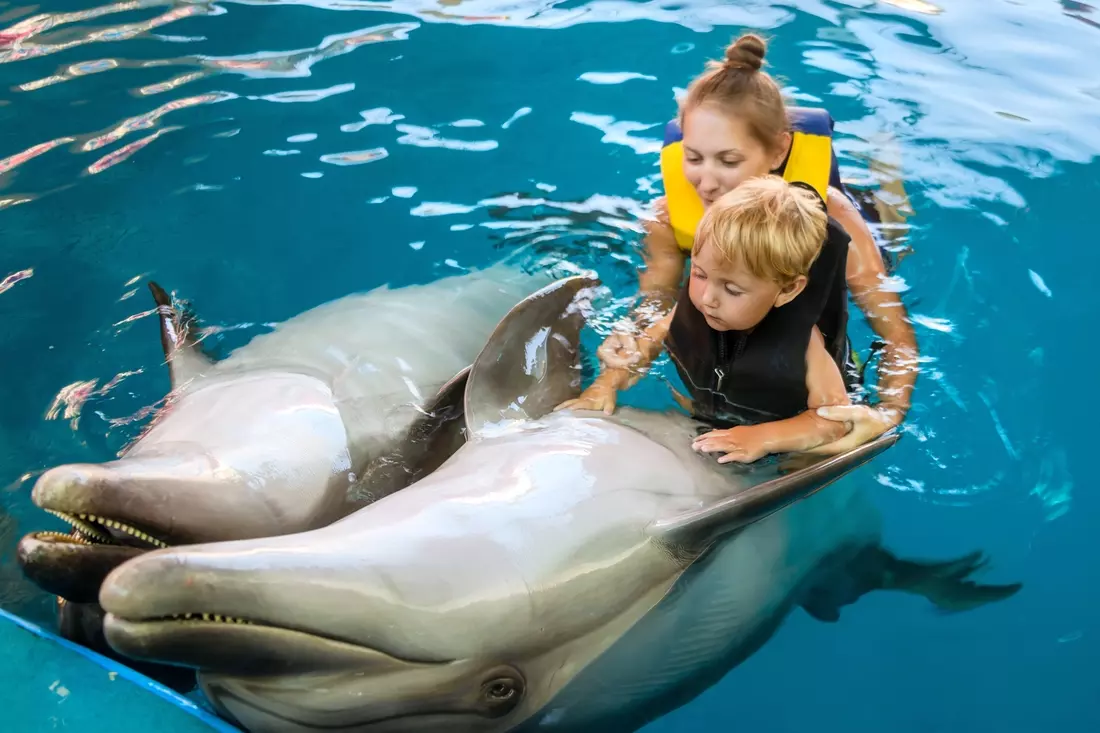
660	281
824	385
659	284
663	257
886	314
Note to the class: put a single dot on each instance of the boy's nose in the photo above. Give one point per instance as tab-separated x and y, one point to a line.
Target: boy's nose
710	296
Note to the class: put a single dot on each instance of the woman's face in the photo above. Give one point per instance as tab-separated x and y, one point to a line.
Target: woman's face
720	153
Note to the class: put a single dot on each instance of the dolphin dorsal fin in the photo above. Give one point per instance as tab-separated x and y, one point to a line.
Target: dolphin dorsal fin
531	362
181	349
697	528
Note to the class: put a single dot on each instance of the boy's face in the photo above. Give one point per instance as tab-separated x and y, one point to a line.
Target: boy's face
730	297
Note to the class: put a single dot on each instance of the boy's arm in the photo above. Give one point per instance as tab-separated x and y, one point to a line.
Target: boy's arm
600	395
807	430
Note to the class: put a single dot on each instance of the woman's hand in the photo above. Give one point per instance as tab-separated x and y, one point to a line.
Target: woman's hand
598	396
619	351
867	423
744	444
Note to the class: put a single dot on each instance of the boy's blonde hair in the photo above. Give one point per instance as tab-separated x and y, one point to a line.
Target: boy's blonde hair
771	228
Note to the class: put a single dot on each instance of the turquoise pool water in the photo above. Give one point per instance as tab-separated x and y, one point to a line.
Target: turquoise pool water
260	158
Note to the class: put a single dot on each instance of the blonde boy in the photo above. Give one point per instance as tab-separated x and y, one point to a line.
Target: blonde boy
745	339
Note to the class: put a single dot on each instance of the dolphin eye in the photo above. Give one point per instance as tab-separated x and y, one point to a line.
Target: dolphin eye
500	690
501	693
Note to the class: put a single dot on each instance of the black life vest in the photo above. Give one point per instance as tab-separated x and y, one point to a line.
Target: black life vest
737	377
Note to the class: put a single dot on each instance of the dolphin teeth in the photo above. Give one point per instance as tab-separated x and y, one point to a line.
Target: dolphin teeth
83	527
216	618
90	534
73	538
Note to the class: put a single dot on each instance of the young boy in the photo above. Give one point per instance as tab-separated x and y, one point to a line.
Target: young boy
745	344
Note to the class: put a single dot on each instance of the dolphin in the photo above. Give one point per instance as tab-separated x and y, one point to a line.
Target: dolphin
561	571
291	431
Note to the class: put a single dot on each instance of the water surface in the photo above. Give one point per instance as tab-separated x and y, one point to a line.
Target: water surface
259	158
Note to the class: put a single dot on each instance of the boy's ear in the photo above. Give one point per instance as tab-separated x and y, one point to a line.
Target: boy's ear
791	290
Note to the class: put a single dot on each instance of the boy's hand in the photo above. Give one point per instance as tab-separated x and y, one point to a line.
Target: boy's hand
597	397
743	444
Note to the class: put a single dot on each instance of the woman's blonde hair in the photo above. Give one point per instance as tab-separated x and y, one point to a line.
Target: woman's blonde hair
771	228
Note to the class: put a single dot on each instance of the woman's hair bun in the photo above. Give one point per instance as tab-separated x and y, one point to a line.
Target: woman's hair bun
746	53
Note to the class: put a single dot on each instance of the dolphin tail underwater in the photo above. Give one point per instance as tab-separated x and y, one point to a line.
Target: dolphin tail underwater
945	584
560	572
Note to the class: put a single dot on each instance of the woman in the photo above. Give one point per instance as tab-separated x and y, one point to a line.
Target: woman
734	126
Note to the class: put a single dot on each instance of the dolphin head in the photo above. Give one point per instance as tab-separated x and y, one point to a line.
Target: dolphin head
470	600
230	457
271	440
459	603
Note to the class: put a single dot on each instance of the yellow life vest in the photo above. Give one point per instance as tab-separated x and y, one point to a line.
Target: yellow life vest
810	161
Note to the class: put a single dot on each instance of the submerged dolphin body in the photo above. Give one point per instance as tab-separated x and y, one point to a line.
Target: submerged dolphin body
273	439
561	571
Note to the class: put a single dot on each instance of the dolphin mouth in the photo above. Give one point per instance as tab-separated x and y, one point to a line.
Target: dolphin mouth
70	566
92	529
73	566
239	646
252	671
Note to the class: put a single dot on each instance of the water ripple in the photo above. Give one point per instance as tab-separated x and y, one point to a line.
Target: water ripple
443	131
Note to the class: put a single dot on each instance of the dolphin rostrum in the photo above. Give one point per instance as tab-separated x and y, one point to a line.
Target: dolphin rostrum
291	431
561	571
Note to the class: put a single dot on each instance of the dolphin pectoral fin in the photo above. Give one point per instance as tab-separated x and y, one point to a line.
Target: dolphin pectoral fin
697	528
946	584
182	351
429	441
531	362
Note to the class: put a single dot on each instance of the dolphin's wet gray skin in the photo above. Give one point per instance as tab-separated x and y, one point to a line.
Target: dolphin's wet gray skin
561	571
271	439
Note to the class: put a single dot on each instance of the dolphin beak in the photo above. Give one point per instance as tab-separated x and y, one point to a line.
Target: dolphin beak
146	601
72	570
148	499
